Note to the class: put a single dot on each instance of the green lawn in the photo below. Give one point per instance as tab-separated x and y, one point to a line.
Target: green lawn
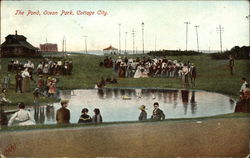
212	75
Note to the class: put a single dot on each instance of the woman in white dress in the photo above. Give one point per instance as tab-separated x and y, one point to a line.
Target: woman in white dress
22	117
138	73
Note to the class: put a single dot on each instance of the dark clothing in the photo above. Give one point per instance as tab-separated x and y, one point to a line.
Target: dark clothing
3	118
62	116
143	115
158	115
97	119
19	80
231	65
84	118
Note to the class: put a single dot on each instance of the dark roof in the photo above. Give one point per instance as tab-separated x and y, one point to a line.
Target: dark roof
18	37
20	41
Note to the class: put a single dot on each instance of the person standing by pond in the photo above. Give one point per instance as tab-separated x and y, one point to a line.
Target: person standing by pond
157	113
243	87
85	118
185	72
97	118
231	64
143	114
63	114
22	117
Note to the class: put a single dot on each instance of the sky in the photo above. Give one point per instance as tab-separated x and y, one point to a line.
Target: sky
164	26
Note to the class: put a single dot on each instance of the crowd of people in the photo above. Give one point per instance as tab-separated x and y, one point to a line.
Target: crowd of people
46	66
26	70
157	67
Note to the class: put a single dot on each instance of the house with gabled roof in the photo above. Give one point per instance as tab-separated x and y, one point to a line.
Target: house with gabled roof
17	46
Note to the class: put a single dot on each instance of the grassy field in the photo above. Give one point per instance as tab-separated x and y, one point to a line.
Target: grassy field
212	75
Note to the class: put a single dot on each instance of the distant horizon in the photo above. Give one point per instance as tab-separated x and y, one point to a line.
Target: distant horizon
152	24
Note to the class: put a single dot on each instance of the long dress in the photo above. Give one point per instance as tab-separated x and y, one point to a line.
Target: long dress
138	72
26	84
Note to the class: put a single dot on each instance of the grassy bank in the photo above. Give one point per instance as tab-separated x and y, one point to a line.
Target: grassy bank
212	75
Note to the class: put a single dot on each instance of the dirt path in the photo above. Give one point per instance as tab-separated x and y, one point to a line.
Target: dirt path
207	138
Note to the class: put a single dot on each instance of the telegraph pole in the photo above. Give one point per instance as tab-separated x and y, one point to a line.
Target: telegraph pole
63	45
155	43
119	38
133	35
220	30
125	42
248	17
142	24
186	33
85	43
196	28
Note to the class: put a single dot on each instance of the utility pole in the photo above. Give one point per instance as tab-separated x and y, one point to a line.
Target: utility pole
133	35
248	17
125	42
142	25
220	30
196	28
85	43
119	38
186	33
63	45
155	43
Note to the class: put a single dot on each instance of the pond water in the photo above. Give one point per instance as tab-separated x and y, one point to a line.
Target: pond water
123	104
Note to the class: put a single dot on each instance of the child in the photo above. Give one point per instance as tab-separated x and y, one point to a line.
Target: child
85	118
143	114
97	118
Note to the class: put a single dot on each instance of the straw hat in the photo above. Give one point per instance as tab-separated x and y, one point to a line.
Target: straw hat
142	107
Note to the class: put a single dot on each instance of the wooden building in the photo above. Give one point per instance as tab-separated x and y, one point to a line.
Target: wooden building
17	46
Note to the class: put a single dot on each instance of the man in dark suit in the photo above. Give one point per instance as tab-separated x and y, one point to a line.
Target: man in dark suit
63	114
157	113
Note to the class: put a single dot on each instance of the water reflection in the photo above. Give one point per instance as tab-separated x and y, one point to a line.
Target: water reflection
100	93
50	113
115	107
39	114
42	112
193	103
185	96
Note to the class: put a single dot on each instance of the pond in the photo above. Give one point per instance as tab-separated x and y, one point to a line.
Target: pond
122	104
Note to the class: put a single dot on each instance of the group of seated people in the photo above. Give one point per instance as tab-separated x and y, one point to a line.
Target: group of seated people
146	67
16	65
47	66
55	67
